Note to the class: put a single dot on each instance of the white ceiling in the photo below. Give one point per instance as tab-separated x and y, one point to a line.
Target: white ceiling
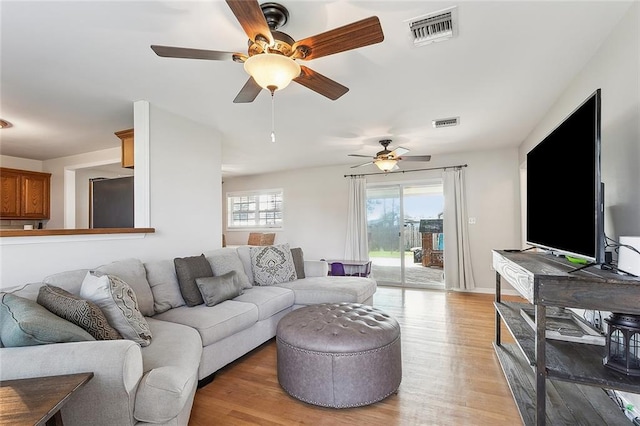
70	71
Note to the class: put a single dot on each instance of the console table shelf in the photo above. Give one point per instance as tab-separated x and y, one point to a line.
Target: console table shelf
569	361
553	381
566	403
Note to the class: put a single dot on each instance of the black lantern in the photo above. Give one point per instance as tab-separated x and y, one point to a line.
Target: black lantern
623	344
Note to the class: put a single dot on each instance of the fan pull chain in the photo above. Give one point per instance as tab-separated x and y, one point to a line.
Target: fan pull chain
273	117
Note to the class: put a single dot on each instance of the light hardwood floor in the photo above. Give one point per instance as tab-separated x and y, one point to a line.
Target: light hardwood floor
451	375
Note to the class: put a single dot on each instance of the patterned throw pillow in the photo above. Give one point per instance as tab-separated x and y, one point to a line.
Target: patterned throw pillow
80	312
118	302
272	264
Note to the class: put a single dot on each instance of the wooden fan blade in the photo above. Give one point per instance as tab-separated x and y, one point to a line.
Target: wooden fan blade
398	152
248	93
359	155
251	19
186	53
363	164
416	158
358	34
320	84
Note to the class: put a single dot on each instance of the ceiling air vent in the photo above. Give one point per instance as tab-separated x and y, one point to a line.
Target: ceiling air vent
436	26
446	122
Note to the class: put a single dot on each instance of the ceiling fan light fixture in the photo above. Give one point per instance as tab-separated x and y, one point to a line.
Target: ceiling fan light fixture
271	70
386	165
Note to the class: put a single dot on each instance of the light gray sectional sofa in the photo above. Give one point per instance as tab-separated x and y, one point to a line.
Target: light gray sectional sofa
156	384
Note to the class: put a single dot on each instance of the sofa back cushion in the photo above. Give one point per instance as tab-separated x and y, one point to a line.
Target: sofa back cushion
226	260
132	272
68	280
164	285
244	253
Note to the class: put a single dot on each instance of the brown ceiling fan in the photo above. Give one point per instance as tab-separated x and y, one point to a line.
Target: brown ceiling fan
266	44
387	160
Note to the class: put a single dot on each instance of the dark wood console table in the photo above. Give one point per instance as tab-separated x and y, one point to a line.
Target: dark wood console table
38	400
575	373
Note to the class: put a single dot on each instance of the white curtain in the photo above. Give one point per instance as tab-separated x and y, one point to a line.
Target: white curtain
457	259
357	244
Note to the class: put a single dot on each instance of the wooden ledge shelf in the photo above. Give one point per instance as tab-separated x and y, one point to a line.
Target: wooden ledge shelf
58	232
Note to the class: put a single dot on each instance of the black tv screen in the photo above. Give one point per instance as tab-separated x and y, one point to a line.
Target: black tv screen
564	191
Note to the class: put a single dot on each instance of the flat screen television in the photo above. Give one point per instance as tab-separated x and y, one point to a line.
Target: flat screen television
565	196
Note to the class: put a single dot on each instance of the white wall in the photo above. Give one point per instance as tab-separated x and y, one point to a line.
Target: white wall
615	69
185	193
316	199
20	163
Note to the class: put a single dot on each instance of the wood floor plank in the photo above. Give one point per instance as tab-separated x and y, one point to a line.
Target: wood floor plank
451	374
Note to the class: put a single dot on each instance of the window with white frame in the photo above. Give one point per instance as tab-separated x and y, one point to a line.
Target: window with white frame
255	209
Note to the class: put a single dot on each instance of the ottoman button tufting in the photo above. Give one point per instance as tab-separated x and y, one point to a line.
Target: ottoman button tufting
339	354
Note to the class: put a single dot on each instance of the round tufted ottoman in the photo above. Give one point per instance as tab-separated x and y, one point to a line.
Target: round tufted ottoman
339	354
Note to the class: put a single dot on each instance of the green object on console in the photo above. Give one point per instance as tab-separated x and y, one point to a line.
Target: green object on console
577	260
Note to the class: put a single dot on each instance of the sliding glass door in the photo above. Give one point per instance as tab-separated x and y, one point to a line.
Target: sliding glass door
384	225
405	234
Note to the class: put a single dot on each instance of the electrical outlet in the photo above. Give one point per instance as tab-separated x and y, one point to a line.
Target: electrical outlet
472	221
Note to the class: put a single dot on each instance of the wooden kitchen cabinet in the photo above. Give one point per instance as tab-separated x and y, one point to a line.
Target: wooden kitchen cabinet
126	136
25	194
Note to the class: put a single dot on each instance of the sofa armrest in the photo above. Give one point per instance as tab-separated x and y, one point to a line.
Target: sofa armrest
316	268
108	398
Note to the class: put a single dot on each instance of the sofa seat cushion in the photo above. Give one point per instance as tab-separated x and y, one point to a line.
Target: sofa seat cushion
170	367
269	300
214	323
312	290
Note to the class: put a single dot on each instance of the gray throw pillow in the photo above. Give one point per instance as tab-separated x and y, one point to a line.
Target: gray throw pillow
219	288
25	323
272	264
225	260
187	270
83	313
298	261
118	302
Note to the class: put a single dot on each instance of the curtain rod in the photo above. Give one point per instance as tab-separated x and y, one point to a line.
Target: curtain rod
409	171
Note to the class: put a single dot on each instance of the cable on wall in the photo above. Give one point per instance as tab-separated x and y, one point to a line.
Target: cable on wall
409	171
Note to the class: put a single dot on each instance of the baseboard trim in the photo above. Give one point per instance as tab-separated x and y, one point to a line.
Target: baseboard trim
481	290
